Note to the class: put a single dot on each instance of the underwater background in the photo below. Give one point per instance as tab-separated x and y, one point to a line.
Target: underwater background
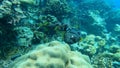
59	33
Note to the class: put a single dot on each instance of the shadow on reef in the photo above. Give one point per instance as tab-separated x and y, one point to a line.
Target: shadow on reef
7	36
6	31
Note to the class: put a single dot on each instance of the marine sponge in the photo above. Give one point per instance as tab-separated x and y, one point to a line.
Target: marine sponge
52	55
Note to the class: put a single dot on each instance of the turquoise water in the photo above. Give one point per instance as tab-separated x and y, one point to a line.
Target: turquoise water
114	3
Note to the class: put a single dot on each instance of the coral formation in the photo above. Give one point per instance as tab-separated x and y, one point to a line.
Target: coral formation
24	36
5	8
90	45
52	55
97	47
48	24
101	61
38	37
58	8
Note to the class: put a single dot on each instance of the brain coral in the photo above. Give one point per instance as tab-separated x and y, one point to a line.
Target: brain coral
52	55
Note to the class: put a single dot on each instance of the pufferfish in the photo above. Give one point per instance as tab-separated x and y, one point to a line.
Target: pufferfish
74	35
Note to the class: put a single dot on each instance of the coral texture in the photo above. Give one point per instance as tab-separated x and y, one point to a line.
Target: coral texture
24	36
52	55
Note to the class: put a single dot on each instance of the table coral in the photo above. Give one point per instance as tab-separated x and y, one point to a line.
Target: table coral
52	55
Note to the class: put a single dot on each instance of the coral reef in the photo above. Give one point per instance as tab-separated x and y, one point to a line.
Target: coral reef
90	45
58	8
90	27
101	61
5	8
38	37
24	36
47	24
6	34
52	55
102	53
116	30
112	19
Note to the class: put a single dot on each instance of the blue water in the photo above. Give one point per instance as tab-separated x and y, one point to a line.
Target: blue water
114	3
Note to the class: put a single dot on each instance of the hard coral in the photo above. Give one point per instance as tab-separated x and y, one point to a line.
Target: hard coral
24	36
5	8
47	24
52	55
58	8
90	45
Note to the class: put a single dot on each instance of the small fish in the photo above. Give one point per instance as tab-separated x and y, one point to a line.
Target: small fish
15	57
